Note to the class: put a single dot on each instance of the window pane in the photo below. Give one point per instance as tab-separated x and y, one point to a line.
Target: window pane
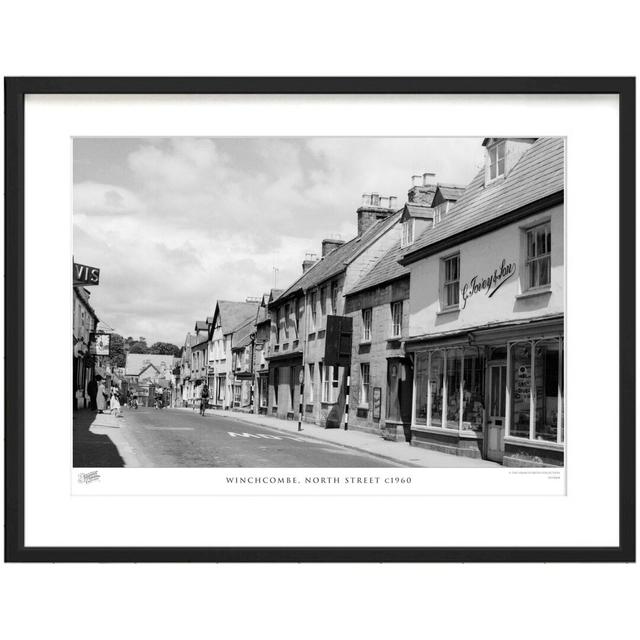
492	171
545	270
547	362
521	390
533	274
421	388
437	376
454	376
500	167
473	392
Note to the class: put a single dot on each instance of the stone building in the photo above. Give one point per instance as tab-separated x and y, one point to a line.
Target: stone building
381	374
85	322
226	318
299	317
486	324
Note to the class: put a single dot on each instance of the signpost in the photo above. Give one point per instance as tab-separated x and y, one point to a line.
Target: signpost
301	381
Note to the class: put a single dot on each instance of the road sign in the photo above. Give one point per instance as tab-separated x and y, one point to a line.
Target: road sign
337	345
85	276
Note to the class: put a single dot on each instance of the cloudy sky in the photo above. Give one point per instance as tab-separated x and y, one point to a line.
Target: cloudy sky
176	223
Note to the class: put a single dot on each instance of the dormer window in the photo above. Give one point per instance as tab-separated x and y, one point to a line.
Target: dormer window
496	160
407	232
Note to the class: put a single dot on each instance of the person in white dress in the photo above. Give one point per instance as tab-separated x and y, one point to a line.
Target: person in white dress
114	403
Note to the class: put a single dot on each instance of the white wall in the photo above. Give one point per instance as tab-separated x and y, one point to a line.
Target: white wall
481	257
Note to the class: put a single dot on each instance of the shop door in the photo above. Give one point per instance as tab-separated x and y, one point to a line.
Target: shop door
495	422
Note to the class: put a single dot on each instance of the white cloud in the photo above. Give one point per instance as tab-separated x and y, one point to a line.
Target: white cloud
104	199
204	219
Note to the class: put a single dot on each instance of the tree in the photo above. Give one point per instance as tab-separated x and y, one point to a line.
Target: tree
117	357
139	347
165	348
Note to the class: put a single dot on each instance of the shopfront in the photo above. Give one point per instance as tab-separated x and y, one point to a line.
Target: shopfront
494	393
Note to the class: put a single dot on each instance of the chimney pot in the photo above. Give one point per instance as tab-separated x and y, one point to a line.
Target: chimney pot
428	179
392	202
329	244
365	199
375	200
416	180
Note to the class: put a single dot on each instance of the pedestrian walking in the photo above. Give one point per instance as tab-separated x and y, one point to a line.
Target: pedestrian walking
114	403
92	390
101	398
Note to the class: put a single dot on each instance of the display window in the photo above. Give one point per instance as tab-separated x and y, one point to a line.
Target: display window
537	411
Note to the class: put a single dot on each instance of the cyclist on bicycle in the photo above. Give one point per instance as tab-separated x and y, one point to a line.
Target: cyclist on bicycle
204	397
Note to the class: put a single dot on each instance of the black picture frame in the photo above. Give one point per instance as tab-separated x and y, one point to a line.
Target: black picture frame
15	91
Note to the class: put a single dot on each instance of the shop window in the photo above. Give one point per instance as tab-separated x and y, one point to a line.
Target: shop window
421	381
396	319
451	282
537	370
538	264
366	325
454	377
364	384
520	390
473	392
549	392
237	394
436	379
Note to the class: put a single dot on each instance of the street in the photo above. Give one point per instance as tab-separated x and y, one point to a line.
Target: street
179	438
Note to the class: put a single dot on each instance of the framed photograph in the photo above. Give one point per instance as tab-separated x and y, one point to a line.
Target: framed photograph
321	319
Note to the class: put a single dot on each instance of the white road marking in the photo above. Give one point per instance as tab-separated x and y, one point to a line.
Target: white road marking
169	428
266	436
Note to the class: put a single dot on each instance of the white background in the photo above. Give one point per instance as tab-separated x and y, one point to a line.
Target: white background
54	517
309	601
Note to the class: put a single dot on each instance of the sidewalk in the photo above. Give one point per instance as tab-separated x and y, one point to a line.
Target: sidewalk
99	441
400	452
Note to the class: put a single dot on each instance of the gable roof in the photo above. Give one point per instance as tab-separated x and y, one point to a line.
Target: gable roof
539	173
137	362
201	325
417	210
451	191
149	366
337	260
386	269
233	313
242	334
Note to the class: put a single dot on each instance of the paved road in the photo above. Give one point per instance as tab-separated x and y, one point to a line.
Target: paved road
177	438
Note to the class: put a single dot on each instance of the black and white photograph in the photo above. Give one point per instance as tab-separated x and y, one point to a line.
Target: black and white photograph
318	302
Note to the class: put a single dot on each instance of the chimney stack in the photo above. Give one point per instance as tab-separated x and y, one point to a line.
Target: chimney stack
309	260
329	244
374	207
423	188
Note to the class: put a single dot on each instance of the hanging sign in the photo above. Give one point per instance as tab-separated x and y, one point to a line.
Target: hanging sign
100	344
85	276
489	283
